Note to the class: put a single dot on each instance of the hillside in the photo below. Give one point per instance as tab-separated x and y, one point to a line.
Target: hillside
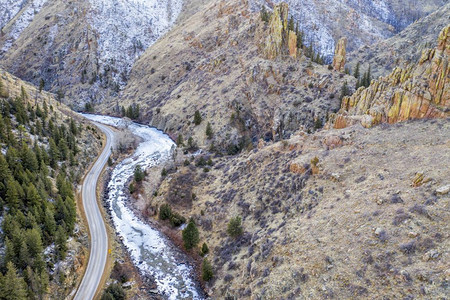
358	224
402	49
342	213
43	241
243	88
82	50
363	22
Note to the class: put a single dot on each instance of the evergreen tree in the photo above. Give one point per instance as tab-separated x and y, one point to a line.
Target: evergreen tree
344	91
180	141
190	235
356	72
291	24
264	14
207	270
13	286
197	118
61	242
209	131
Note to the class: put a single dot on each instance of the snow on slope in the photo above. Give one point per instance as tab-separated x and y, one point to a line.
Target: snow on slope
126	28
363	22
24	19
8	9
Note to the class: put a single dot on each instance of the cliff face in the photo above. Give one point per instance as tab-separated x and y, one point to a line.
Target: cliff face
365	21
402	49
419	91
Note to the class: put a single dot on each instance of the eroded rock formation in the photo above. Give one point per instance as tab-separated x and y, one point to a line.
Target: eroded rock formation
419	91
339	55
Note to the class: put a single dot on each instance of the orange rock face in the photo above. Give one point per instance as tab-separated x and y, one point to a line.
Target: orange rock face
420	91
292	44
339	55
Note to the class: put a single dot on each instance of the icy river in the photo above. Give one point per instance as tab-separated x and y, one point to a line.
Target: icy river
150	251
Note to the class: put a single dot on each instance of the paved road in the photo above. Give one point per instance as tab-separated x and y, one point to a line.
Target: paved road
97	229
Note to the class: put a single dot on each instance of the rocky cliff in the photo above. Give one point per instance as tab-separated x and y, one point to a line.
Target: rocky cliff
402	49
364	22
418	91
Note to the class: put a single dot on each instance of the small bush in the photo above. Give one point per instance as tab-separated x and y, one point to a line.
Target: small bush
139	174
186	162
164	172
177	220
165	212
205	249
201	162
114	291
207	270
234	228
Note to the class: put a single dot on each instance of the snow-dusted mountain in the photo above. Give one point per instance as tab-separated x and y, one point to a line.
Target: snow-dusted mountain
85	50
82	49
363	22
125	28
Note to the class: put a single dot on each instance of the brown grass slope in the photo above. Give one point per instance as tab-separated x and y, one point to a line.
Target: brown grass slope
366	222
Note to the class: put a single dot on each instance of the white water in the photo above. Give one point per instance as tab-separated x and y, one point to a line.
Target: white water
150	251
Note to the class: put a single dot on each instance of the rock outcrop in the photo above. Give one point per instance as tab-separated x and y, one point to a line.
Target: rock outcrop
339	55
279	38
419	91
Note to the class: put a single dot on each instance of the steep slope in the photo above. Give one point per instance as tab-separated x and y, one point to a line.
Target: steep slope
363	22
236	72
41	145
418	91
363	220
81	49
403	48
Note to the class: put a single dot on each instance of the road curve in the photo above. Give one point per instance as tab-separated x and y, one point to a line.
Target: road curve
97	229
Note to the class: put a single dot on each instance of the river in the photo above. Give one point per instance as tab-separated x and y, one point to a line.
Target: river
150	250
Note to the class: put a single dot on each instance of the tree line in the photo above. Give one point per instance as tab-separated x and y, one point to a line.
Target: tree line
37	201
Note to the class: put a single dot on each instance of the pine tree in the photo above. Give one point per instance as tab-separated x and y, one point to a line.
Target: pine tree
180	141
356	72
190	235
207	270
197	118
344	91
209	131
13	287
291	24
264	14
61	242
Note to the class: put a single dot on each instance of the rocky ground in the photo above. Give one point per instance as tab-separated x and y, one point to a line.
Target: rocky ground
366	221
